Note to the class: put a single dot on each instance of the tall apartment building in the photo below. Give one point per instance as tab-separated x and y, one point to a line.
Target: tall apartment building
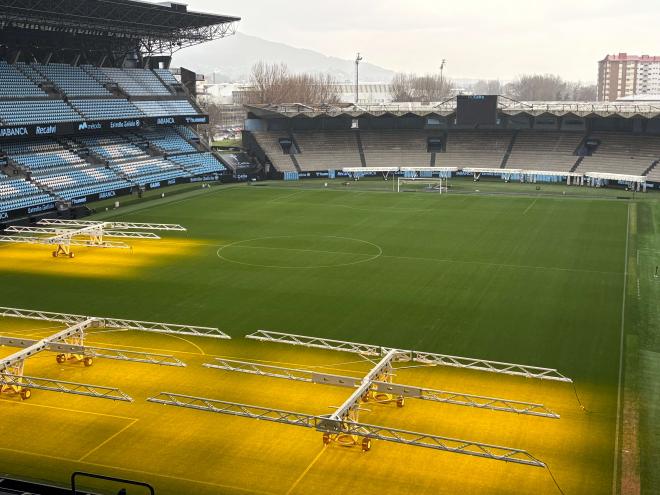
628	75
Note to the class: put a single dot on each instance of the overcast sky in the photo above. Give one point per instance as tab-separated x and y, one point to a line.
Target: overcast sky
479	38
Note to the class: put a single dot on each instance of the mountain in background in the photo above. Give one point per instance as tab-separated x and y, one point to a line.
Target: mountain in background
231	59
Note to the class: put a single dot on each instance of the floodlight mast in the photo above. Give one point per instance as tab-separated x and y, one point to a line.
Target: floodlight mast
358	59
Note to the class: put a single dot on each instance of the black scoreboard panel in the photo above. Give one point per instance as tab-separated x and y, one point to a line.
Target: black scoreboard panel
476	110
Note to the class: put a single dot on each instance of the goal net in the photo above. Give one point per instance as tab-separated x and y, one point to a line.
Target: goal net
436	185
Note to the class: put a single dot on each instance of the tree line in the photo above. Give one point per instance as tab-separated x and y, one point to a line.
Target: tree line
276	84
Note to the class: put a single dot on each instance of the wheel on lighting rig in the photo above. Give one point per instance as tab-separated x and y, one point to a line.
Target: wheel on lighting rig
26	393
366	444
400	402
54	254
88	361
72	255
326	439
60	358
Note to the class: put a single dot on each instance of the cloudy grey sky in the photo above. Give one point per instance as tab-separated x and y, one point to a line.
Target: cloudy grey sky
479	38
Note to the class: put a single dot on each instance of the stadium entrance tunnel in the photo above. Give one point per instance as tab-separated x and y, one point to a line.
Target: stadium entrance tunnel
300	252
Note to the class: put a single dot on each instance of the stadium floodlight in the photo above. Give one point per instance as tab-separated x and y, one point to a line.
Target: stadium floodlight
343	425
64	234
358	59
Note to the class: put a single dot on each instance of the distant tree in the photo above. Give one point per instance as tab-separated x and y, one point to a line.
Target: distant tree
274	84
539	87
427	88
580	92
488	87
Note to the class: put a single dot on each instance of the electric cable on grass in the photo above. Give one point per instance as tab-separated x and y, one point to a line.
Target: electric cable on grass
554	480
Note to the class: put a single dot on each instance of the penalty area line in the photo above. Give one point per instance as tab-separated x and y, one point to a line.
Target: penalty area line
108	440
304	473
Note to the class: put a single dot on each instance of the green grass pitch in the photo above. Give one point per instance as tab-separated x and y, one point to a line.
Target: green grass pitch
530	279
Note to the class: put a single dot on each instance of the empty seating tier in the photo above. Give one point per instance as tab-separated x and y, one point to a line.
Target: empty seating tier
166	140
15	84
37	112
545	150
166	108
137	82
72	81
113	109
199	163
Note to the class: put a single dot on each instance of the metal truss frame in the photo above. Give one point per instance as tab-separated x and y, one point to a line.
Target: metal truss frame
394	389
361	430
344	427
67	233
118	323
14	380
69	346
155	29
427	358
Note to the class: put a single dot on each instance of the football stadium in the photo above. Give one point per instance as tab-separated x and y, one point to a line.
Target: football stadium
457	297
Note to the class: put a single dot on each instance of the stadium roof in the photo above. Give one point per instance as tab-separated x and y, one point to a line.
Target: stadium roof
444	109
168	23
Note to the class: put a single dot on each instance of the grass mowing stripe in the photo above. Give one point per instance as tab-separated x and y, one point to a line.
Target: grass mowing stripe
615	474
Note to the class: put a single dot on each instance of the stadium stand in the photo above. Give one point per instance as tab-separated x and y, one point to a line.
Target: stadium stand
621	153
24	112
545	150
166	76
72	81
15	84
163	108
166	140
19	193
69	184
134	82
114	109
198	163
146	171
391	148
269	142
323	150
475	148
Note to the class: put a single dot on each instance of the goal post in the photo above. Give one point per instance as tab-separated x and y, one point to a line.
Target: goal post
422	184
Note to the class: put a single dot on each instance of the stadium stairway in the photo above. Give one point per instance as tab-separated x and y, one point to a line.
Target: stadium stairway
294	160
509	149
651	167
363	157
433	158
577	163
